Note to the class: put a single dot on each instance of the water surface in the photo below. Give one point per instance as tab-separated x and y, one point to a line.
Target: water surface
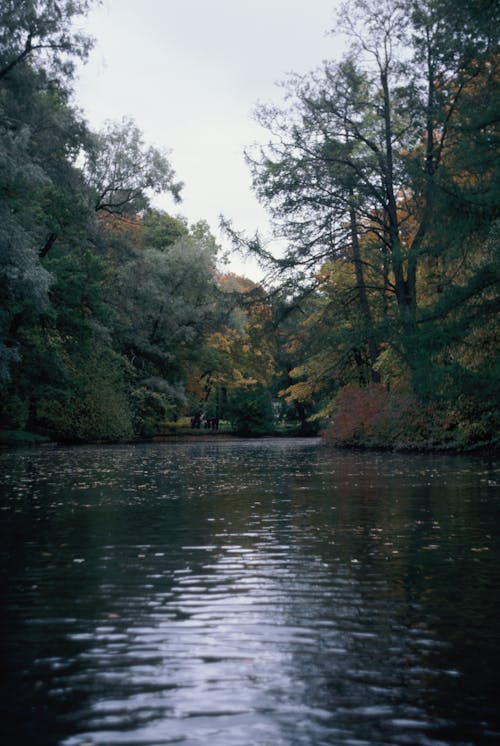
248	593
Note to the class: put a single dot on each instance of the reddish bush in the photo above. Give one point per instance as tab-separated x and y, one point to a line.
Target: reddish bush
357	412
374	416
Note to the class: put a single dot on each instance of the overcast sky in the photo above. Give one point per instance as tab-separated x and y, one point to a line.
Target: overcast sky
190	73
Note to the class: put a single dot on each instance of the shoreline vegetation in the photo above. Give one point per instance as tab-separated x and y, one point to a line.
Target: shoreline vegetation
377	326
172	434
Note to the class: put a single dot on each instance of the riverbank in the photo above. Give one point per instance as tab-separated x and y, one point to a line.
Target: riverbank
374	417
489	448
13	439
21	438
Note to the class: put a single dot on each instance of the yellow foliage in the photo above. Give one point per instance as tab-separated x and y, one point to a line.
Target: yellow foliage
301	391
392	368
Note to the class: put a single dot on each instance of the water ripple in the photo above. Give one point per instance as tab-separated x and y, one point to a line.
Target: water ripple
249	594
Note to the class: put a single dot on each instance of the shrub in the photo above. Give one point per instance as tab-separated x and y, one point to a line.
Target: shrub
14	412
150	409
93	404
374	416
250	411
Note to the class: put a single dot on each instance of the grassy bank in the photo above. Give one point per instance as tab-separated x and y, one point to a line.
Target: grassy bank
21	438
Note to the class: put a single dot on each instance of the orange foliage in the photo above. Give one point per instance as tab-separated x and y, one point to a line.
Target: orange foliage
131	226
358	411
375	416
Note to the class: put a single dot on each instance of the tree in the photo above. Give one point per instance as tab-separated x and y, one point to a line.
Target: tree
66	364
318	178
41	33
164	306
250	410
328	341
123	172
364	159
388	160
161	229
40	136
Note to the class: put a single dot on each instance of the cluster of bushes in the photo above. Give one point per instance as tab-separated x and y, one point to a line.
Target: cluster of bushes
375	417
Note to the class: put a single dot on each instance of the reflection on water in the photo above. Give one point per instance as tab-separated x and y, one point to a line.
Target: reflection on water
238	593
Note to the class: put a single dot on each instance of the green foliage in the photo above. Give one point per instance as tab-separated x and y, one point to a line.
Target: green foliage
123	171
387	161
78	292
93	404
14	411
41	33
162	230
150	410
250	411
382	176
41	191
104	301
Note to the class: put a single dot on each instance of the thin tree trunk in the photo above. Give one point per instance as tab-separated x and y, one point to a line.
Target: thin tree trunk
48	245
404	292
362	295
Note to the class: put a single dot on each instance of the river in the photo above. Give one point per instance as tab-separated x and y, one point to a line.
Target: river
248	593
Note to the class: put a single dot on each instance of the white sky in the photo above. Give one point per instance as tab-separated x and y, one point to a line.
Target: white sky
190	72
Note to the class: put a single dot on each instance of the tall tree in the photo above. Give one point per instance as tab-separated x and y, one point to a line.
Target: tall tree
42	33
123	171
40	136
320	179
372	157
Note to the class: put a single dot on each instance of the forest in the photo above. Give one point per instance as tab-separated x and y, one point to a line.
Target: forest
377	325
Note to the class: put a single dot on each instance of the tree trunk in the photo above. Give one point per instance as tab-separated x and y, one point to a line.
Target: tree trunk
362	295
48	245
405	286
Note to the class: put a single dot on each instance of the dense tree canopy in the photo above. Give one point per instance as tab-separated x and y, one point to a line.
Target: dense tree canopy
105	301
381	172
381	179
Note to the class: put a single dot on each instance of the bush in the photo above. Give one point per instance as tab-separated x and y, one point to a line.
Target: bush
92	406
150	409
373	416
14	412
250	411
